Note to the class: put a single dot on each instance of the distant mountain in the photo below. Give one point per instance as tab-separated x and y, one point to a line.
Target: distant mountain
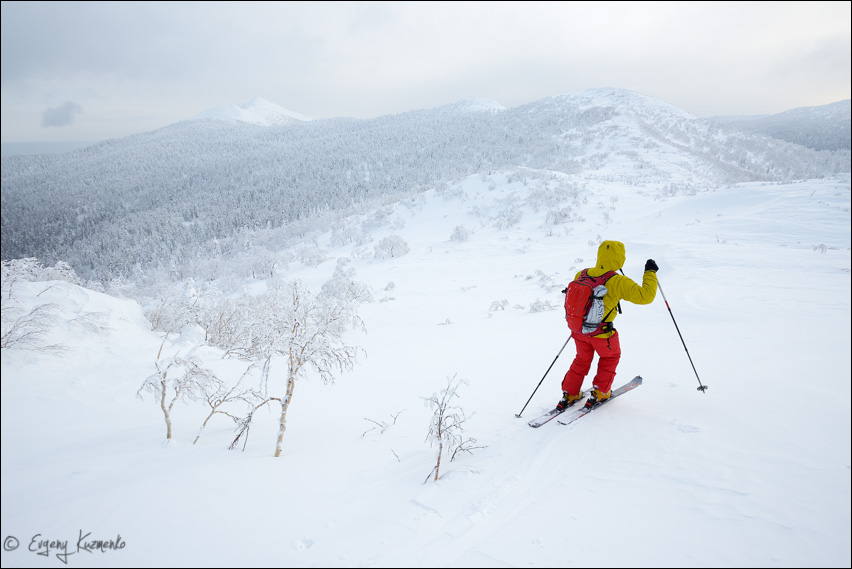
826	127
48	147
217	185
257	111
473	105
621	101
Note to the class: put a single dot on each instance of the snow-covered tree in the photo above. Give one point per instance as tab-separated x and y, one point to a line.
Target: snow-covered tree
391	246
224	397
344	286
460	233
306	332
447	426
22	327
179	377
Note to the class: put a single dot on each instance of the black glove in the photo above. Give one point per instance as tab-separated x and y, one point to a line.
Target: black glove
650	265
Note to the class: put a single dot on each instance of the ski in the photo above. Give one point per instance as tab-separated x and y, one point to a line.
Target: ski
552	414
583	411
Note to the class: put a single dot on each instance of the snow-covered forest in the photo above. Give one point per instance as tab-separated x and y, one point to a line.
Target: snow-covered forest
308	344
211	191
820	128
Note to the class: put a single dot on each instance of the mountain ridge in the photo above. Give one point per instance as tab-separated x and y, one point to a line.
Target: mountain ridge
256	111
210	185
826	127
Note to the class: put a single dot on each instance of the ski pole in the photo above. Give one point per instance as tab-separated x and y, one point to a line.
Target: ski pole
702	388
545	375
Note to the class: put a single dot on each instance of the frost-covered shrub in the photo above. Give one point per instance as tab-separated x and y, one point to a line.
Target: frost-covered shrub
346	233
343	285
460	234
31	270
541	306
391	246
508	217
360	253
312	255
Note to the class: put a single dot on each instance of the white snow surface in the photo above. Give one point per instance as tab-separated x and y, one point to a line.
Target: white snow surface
752	472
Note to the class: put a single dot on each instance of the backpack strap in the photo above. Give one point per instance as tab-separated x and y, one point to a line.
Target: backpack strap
617	304
607	326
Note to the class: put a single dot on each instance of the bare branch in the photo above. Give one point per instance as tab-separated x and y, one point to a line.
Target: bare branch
446	428
218	399
27	329
383	426
190	380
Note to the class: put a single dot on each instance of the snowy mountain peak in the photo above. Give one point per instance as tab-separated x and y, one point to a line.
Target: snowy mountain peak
624	100
258	111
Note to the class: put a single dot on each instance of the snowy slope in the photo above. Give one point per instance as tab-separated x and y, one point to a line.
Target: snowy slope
753	473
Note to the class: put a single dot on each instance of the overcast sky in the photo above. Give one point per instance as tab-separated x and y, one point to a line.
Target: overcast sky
97	70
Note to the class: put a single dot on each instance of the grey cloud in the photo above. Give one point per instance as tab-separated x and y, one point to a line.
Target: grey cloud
62	115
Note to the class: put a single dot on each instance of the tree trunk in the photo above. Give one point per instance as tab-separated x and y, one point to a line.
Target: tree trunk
165	410
285	404
438	464
204	424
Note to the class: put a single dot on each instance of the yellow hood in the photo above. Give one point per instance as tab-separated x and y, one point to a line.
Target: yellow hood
611	257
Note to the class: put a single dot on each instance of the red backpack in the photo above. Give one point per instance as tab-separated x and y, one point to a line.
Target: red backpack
584	304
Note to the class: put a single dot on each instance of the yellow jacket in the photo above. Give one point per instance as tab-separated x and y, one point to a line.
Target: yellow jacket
611	257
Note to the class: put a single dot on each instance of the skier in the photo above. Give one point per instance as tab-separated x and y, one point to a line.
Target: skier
611	257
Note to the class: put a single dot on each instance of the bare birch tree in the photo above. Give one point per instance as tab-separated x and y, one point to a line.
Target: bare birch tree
306	331
224	397
176	378
447	426
244	423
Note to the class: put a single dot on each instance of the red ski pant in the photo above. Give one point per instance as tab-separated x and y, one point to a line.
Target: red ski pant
609	352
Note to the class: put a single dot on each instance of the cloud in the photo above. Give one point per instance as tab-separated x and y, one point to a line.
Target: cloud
62	115
168	61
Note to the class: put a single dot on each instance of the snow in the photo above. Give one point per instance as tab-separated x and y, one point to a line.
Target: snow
475	105
258	111
618	98
754	472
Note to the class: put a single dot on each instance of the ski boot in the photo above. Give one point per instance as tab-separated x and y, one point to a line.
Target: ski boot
568	400
597	397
